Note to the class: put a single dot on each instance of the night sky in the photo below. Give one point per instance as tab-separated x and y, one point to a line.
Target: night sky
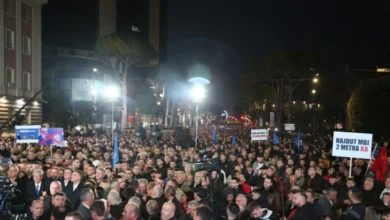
341	32
224	34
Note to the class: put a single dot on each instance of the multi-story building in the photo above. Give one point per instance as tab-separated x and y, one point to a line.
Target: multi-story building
73	60
20	58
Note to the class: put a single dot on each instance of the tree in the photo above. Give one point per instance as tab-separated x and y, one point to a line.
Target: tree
121	53
284	70
368	107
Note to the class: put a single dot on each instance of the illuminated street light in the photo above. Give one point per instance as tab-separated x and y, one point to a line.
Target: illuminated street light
198	93
273	105
158	103
313	91
111	92
294	102
315	80
95	70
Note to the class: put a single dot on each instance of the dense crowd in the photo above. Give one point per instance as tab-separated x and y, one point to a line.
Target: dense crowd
243	180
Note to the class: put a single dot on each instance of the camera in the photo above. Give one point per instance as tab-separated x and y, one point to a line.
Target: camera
7	192
207	164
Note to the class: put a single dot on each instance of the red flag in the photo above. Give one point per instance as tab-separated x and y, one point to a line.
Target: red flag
380	165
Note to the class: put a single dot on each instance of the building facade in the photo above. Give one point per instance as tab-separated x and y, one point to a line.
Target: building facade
20	58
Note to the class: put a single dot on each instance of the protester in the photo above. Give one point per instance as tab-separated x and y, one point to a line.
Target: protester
143	180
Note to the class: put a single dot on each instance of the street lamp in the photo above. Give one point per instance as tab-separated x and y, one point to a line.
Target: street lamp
112	93
313	91
198	93
315	80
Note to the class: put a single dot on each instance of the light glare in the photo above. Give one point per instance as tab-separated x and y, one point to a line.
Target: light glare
198	93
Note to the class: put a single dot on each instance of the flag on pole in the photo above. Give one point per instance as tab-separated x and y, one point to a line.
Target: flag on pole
234	142
275	139
115	159
298	142
215	138
379	163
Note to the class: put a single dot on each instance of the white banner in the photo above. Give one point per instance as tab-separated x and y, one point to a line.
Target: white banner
289	127
81	90
259	134
350	144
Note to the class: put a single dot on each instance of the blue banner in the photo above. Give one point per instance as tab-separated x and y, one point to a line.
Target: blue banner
115	159
275	139
27	133
51	136
215	138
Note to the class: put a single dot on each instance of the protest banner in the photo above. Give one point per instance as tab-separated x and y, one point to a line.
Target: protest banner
27	133
352	145
289	127
51	136
259	134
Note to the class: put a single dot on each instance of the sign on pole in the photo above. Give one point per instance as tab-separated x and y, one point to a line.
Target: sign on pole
289	127
259	134
352	145
27	133
51	136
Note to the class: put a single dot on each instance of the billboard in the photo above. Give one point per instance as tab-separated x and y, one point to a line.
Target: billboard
51	136
82	90
27	133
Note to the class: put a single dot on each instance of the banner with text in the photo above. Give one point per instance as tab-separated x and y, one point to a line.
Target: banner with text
81	90
351	144
259	134
27	133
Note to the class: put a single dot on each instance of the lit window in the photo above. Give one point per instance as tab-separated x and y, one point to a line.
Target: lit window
10	77
26	45
27	81
9	39
26	13
9	6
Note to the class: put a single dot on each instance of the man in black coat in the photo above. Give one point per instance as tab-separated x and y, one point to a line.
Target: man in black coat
73	190
315	182
304	210
36	188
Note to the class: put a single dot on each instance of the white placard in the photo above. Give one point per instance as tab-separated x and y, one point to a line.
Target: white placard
289	127
259	134
352	145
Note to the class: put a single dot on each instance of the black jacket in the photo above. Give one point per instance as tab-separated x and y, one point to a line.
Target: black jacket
355	212
30	192
304	212
74	196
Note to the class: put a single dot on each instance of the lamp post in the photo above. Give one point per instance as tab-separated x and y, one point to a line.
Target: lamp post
112	94
198	93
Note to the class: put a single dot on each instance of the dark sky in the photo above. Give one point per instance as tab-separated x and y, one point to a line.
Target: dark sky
354	32
224	34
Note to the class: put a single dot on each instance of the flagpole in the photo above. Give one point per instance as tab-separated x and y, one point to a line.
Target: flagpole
369	163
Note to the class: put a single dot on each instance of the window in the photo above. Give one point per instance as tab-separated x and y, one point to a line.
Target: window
26	45
26	13
9	6
9	39
26	81
10	77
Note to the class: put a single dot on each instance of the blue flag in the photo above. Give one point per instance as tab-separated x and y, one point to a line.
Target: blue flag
275	139
234	142
215	138
116	151
298	142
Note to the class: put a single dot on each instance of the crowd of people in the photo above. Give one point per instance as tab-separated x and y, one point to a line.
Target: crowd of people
163	180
